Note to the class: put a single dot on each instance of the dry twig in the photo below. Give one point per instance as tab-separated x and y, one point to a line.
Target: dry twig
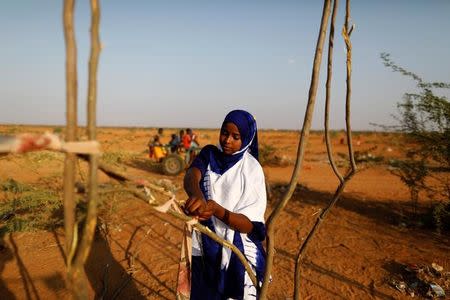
71	117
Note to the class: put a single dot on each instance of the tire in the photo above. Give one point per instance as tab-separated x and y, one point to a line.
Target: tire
172	165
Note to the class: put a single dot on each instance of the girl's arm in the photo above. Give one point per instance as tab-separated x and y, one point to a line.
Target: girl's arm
192	184
236	221
197	205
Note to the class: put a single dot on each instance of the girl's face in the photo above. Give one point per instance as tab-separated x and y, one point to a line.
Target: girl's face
230	138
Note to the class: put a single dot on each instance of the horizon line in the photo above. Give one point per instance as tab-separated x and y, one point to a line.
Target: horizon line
182	127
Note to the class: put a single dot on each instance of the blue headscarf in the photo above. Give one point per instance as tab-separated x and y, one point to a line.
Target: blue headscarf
246	125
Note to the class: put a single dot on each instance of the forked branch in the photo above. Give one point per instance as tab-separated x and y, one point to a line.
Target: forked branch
301	147
352	169
328	93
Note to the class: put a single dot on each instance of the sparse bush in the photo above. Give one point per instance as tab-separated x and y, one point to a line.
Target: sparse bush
28	208
57	130
441	216
367	156
334	134
412	173
362	156
10	185
12	130
424	119
266	153
268	156
118	158
43	156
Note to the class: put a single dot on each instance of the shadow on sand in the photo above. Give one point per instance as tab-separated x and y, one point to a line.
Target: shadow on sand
5	255
391	212
107	277
371	289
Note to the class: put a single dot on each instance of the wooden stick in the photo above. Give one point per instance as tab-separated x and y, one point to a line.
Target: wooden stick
91	216
328	93
346	32
71	129
301	147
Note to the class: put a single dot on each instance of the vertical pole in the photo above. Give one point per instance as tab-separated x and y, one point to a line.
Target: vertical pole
71	135
328	93
346	32
91	216
71	123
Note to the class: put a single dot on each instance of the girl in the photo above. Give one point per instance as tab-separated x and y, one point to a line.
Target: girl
226	191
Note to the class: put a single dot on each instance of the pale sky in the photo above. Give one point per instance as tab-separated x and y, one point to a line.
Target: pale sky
186	63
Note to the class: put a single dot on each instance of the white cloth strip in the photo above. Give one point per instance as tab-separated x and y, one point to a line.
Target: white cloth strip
30	142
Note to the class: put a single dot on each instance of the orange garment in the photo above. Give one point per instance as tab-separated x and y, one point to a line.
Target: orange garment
186	141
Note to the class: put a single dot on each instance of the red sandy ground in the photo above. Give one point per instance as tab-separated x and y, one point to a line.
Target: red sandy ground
359	245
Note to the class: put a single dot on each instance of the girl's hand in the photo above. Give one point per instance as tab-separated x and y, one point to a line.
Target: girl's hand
192	204
207	211
196	206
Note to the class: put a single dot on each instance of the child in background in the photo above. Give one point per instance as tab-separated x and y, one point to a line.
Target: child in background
194	139
155	149
226	191
186	139
174	143
181	137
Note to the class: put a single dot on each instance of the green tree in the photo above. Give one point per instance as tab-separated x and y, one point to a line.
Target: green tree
424	119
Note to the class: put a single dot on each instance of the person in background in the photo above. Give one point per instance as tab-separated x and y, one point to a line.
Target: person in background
181	135
194	138
186	142
174	143
156	150
226	192
191	145
186	139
